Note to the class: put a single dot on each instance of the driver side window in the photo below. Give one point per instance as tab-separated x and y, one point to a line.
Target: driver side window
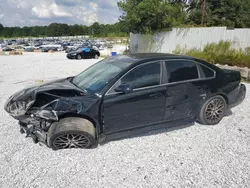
143	76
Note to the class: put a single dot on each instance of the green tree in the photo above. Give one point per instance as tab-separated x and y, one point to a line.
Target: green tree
1	27
84	30
58	29
233	13
75	30
26	31
7	31
52	30
96	29
34	31
147	16
62	30
17	32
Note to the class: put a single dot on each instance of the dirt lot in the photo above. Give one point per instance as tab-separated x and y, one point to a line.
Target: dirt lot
193	156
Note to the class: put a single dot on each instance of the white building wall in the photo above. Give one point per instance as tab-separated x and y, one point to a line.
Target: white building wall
188	38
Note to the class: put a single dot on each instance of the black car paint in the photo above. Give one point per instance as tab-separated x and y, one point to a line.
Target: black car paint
7	49
91	54
114	114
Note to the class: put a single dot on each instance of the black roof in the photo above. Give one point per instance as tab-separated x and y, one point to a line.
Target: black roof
154	56
144	57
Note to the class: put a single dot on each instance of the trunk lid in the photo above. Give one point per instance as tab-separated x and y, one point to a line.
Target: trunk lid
232	75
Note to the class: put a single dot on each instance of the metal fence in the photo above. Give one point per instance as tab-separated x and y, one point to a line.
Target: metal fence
188	38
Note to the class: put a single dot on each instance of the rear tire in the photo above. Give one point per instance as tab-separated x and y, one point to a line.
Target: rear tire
96	56
71	133
213	110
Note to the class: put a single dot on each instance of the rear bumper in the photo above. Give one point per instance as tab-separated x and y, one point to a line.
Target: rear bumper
239	97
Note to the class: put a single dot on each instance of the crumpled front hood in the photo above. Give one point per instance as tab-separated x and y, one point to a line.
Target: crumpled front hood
30	92
60	84
59	95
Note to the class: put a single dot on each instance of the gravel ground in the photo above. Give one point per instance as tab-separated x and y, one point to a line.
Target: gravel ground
193	156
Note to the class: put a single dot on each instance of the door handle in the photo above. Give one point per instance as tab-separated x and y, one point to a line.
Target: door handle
155	95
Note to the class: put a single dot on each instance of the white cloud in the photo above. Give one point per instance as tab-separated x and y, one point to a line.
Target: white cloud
58	11
41	12
23	5
52	10
94	6
44	12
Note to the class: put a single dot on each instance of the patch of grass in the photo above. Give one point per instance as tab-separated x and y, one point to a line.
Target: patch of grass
221	53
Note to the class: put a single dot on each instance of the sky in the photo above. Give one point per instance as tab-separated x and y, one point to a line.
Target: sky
43	12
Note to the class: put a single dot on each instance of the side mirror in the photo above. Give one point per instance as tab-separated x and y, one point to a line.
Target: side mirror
123	88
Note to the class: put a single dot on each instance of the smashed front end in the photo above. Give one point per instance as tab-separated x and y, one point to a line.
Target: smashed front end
36	108
17	106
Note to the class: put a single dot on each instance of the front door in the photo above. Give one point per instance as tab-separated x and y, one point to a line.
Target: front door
143	106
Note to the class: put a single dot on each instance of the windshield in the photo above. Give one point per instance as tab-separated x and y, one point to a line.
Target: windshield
96	77
79	49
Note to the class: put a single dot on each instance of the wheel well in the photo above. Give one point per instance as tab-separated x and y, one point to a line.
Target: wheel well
225	97
79	116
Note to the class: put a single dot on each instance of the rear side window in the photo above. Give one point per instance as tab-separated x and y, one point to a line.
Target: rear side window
208	73
181	70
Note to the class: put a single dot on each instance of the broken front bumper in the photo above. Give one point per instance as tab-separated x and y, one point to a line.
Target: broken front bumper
71	56
34	131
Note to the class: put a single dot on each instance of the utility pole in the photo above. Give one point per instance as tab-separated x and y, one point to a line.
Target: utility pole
203	12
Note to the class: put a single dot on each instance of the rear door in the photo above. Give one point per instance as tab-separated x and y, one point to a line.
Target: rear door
86	52
182	98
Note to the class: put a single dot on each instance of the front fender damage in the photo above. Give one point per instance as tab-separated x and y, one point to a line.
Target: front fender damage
47	109
37	107
53	109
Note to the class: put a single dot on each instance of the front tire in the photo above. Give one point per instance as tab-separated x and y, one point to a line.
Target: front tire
213	110
79	57
71	133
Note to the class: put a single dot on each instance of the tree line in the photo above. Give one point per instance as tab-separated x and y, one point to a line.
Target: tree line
149	16
58	29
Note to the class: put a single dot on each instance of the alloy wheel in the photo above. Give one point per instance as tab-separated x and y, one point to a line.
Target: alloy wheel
67	141
215	111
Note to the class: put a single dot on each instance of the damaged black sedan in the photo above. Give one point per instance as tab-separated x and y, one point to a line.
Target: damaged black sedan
123	95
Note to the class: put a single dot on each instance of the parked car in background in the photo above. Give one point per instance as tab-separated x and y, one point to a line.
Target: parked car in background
8	49
54	49
28	49
45	49
123	95
82	53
